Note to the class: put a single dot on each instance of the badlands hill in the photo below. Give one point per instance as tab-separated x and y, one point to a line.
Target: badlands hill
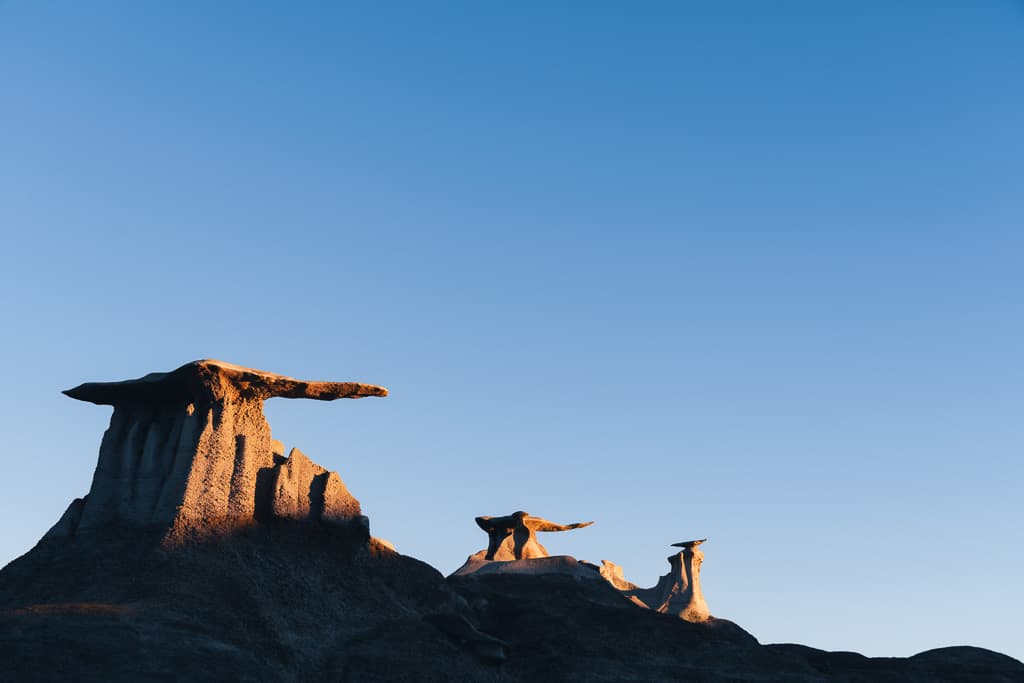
203	552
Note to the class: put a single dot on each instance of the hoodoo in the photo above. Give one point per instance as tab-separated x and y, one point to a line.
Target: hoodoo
514	537
678	592
190	451
512	547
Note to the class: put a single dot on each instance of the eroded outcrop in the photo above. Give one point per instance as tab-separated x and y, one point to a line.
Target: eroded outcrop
514	537
305	491
191	451
513	547
678	592
612	573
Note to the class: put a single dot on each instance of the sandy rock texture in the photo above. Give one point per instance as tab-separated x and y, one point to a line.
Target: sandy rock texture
612	573
513	548
190	451
678	592
271	575
295	602
305	491
514	537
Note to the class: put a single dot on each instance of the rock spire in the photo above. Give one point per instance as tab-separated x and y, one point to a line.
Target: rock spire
677	592
513	548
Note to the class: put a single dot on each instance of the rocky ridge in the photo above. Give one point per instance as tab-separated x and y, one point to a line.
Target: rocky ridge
202	552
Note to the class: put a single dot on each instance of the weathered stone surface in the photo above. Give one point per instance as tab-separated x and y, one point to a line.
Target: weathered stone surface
297	603
191	451
512	541
488	648
340	506
514	537
612	573
304	490
220	380
295	488
383	542
553	564
678	593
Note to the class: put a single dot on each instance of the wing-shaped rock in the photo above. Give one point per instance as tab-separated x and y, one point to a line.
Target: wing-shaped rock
190	450
216	379
541	524
512	539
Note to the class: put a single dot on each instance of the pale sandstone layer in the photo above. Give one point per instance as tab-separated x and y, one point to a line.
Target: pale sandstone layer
190	450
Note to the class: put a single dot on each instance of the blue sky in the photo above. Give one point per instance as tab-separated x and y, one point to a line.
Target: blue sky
744	270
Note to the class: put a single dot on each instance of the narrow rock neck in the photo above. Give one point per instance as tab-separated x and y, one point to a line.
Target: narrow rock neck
687	599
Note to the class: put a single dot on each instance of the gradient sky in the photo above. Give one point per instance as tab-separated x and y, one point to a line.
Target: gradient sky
745	270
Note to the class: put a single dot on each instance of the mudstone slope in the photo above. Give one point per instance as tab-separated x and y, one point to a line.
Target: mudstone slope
202	552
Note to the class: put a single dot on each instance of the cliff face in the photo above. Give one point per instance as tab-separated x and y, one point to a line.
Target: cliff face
190	451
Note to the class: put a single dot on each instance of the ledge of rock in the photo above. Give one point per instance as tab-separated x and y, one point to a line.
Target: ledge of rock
305	491
191	451
553	564
216	379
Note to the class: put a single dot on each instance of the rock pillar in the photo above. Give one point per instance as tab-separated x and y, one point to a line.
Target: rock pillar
678	592
191	451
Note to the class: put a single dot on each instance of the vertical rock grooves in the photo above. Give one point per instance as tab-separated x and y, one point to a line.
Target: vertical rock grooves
678	592
190	451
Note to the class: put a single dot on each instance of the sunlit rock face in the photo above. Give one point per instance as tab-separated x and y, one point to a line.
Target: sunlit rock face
513	547
191	451
612	573
305	491
514	537
678	592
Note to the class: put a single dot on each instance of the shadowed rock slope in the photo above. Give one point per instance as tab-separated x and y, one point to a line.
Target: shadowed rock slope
202	553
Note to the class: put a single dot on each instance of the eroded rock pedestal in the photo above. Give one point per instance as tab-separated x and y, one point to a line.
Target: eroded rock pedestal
513	548
677	593
191	451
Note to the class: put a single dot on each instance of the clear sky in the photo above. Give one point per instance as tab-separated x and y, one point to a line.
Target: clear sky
745	270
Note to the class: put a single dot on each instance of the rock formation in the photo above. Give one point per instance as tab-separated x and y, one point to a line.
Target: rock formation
513	547
612	573
677	593
514	537
190	451
106	598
